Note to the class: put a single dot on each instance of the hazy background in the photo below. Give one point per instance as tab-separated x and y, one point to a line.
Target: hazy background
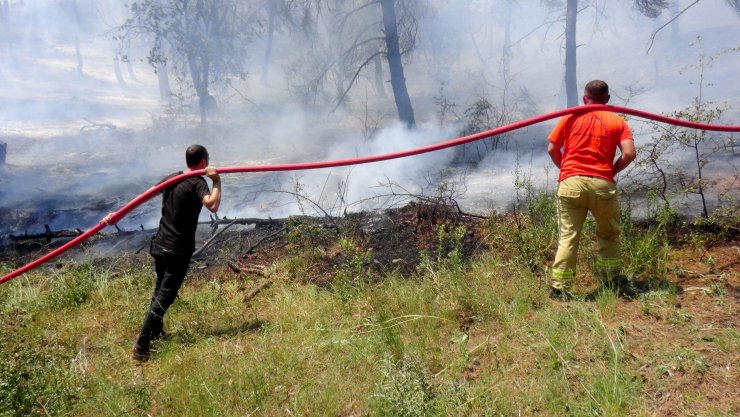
82	141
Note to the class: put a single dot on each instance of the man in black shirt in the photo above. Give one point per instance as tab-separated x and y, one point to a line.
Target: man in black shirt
174	243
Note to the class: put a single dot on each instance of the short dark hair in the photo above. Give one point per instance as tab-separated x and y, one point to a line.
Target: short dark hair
597	90
194	154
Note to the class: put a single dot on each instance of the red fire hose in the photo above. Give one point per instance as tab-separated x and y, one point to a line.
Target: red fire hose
150	193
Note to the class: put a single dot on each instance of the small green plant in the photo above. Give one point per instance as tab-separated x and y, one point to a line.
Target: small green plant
34	382
71	288
535	217
404	390
306	235
655	302
682	361
307	241
680	182
646	251
717	290
677	317
450	246
354	270
448	254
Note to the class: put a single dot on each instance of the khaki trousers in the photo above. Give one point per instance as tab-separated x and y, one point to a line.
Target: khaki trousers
576	196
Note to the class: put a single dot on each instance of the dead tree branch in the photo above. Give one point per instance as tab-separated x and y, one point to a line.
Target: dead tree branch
212	238
259	242
313	203
655	33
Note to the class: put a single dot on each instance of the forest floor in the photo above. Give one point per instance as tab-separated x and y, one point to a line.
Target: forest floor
417	310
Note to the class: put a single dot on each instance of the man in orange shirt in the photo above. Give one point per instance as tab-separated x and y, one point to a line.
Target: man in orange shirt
584	146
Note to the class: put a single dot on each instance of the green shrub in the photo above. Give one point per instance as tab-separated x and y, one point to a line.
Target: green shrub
34	381
405	390
71	289
646	251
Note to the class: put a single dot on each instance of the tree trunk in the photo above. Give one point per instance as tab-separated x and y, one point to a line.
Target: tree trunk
80	64
5	35
675	26
506	53
398	80
199	75
571	84
165	92
117	71
272	12
130	66
700	182
379	83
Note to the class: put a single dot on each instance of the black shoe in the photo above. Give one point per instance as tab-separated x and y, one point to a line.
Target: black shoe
141	355
559	294
624	287
162	335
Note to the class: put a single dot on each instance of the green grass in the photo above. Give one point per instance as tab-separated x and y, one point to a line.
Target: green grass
459	338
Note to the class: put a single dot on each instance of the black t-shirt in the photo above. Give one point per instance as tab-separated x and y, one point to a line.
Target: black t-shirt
181	205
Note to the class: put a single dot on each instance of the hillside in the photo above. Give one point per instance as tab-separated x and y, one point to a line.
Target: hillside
415	311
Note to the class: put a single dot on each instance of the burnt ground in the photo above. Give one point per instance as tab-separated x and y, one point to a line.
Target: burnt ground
381	241
397	239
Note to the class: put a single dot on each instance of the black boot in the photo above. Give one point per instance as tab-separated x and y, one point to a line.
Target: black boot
560	294
624	287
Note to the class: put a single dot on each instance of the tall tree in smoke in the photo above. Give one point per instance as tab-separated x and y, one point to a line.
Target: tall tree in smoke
271	7
203	39
571	19
571	82
650	8
78	29
292	15
277	13
393	55
362	31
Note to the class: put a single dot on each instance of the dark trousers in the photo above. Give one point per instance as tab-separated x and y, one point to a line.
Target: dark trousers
171	269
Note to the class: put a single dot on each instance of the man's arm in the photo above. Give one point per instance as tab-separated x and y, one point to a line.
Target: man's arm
628	154
555	154
213	200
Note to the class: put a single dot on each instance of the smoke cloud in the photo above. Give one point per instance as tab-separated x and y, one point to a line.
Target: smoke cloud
86	132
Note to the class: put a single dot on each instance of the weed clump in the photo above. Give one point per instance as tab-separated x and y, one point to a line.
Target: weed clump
34	381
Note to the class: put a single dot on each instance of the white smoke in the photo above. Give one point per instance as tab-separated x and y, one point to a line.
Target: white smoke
67	166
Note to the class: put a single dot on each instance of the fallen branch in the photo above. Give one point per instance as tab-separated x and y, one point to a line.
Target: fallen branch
313	203
48	235
256	290
234	267
217	222
212	238
434	201
252	247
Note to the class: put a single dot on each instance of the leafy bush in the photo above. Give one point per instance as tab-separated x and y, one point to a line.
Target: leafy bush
34	381
646	251
405	390
71	289
535	217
